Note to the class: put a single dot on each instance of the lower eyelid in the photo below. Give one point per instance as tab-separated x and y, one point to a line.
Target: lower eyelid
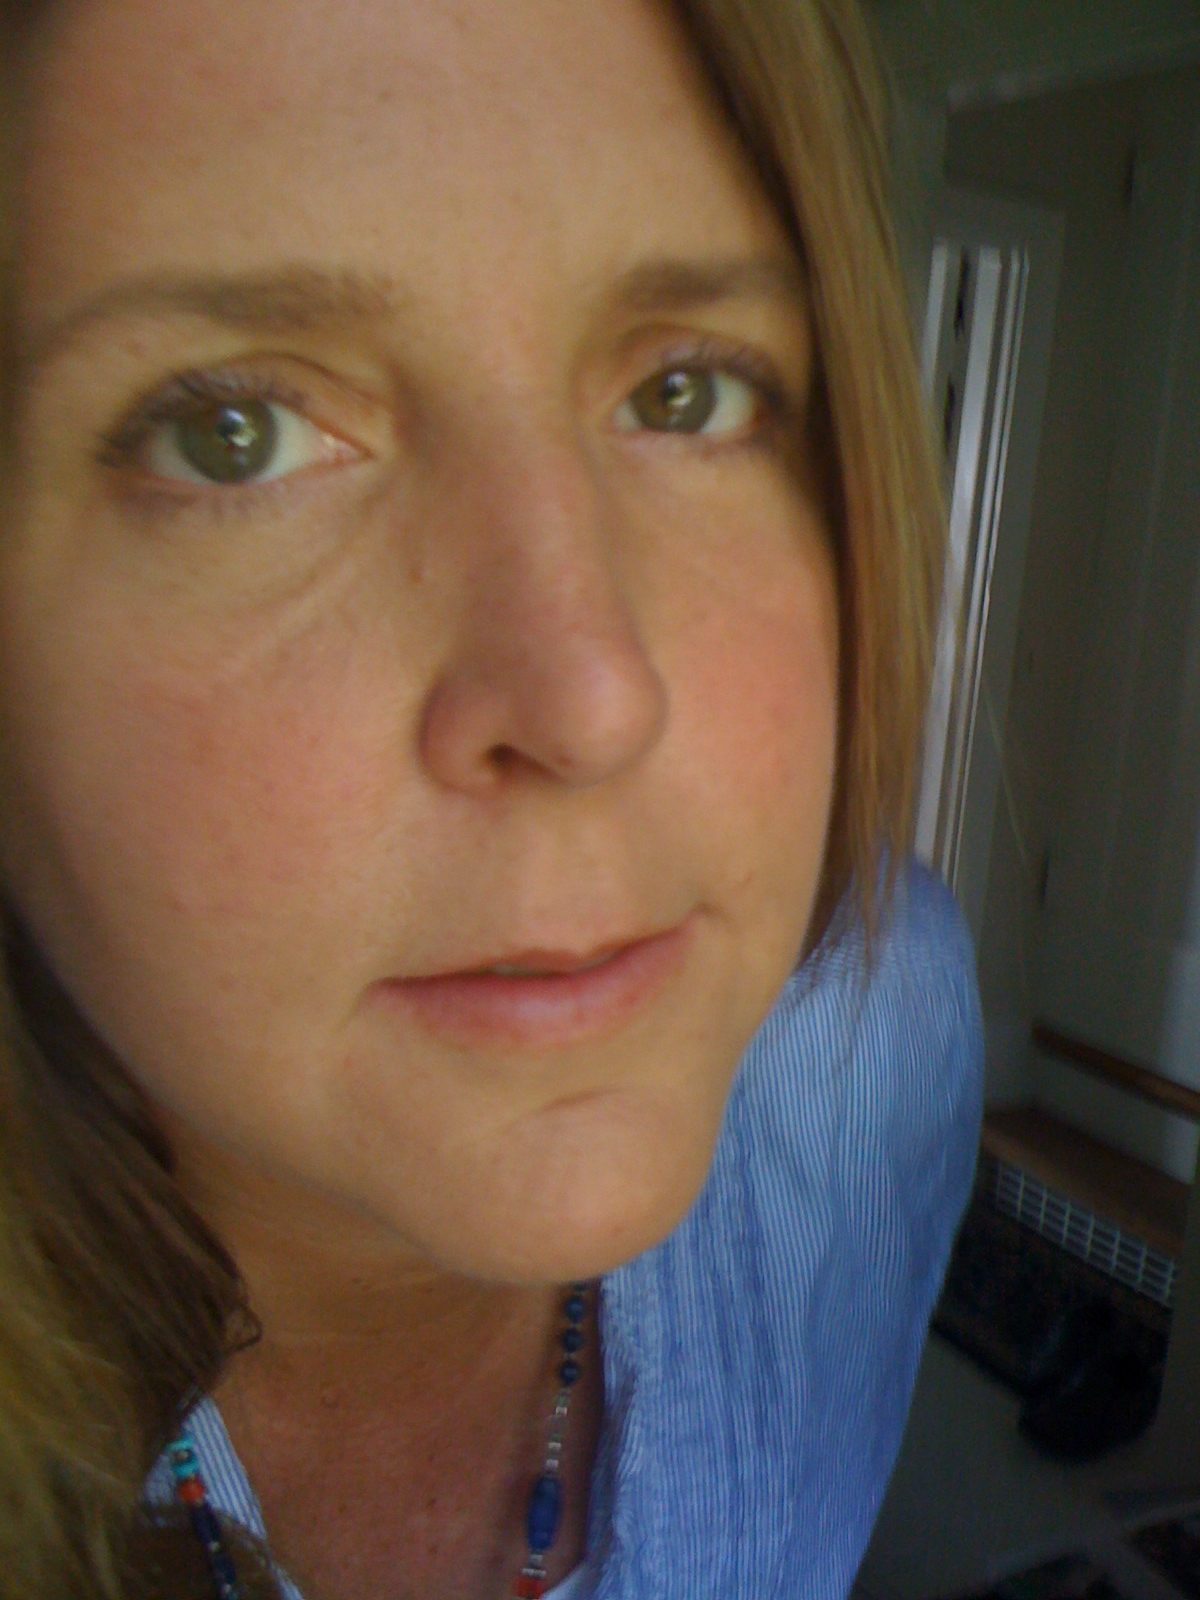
159	497
162	503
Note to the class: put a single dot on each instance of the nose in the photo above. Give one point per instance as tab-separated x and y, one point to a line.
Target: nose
549	670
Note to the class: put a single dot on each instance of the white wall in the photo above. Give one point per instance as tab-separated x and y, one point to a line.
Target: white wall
968	51
951	54
966	76
1069	151
967	54
1101	743
1120	935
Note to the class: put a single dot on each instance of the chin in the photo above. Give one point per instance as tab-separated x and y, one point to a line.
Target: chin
582	1217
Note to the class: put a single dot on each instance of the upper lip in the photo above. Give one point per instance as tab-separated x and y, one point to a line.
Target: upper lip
554	960
543	960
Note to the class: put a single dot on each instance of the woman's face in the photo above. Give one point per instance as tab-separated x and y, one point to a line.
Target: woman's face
416	568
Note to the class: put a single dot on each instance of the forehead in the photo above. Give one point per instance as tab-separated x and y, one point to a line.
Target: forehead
425	135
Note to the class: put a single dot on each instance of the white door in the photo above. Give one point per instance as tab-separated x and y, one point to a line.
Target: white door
988	332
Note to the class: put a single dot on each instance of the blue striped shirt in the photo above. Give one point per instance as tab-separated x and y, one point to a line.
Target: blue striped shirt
758	1364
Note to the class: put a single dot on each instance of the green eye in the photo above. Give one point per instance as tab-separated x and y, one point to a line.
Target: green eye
227	443
682	401
230	442
691	400
226	430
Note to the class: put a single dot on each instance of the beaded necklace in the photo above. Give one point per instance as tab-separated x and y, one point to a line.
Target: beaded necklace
543	1516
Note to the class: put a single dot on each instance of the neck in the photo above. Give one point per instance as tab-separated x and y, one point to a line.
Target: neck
321	1272
386	1384
429	1351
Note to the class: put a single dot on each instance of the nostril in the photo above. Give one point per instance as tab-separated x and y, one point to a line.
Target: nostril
581	704
504	758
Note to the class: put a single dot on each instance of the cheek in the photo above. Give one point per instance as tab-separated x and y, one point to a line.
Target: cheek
167	797
242	793
763	696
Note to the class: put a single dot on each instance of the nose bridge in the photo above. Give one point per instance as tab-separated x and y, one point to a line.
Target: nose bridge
549	537
550	663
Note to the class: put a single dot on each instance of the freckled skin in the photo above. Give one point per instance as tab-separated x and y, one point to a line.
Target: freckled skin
507	679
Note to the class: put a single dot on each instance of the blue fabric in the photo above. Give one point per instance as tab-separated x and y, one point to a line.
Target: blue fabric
759	1363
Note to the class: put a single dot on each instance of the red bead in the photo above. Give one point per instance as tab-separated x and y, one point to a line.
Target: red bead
529	1588
191	1492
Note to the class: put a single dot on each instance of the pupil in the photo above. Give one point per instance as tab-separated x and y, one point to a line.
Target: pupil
682	401
229	443
236	429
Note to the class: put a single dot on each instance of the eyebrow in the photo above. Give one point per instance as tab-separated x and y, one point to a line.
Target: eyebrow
292	299
300	299
664	285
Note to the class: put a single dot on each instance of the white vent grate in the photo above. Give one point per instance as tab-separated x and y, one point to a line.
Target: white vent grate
1120	1255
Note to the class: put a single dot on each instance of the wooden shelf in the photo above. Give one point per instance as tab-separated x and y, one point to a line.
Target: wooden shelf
1128	1193
1131	1076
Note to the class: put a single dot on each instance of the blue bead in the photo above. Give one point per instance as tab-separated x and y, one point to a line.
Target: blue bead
572	1340
576	1308
569	1372
545	1510
222	1565
208	1529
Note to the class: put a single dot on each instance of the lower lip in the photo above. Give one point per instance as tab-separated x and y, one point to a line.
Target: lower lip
482	1008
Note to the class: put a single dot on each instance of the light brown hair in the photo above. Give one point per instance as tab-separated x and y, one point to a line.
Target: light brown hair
801	82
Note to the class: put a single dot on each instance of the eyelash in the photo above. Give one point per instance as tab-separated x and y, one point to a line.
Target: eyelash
180	395
118	449
737	361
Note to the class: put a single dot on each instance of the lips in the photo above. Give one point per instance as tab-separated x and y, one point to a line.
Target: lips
546	963
542	999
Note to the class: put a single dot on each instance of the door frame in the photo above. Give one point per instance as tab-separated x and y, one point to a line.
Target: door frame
1004	371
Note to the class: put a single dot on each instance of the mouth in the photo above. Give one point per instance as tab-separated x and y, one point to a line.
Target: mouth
544	999
550	963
